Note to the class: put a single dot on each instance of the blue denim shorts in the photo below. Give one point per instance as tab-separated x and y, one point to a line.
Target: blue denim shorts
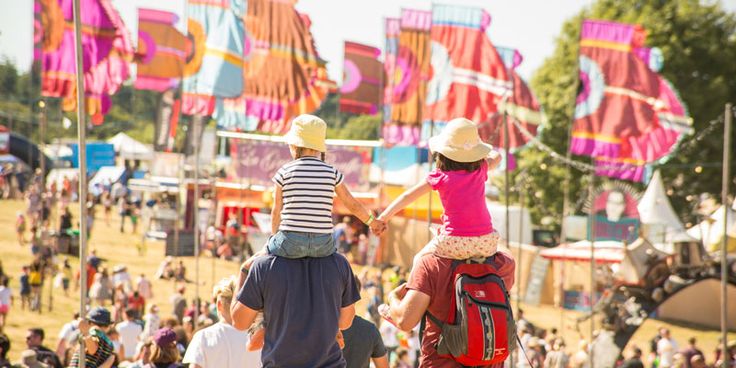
295	244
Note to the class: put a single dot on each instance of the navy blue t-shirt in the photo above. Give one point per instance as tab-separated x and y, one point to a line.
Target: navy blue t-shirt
301	300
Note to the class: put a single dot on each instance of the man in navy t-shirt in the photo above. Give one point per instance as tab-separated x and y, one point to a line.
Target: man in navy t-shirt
305	302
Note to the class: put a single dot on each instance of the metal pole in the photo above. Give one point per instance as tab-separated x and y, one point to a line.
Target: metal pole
591	232
429	199
42	141
521	227
724	245
507	223
198	126
82	143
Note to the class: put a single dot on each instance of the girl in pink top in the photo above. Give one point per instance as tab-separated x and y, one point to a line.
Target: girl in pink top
462	161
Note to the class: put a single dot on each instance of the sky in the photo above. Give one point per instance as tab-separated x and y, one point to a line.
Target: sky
530	26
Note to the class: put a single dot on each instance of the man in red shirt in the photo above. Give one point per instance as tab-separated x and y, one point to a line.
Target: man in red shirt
430	288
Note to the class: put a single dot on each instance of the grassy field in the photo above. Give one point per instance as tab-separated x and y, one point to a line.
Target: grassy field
124	249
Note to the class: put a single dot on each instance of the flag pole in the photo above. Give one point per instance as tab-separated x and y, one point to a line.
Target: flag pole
724	246
198	128
82	144
591	232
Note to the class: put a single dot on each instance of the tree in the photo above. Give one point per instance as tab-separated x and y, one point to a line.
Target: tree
698	42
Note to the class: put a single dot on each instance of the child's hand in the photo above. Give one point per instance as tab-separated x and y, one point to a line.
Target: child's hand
340	340
378	227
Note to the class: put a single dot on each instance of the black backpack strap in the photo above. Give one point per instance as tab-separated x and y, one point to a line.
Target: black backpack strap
521	348
423	324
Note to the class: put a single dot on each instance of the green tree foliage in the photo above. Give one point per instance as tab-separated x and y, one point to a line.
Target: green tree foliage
698	40
133	111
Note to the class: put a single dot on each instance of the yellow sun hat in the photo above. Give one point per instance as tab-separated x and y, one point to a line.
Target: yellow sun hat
459	141
307	131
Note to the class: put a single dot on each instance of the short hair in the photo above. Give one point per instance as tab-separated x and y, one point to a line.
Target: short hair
4	345
637	351
131	313
691	340
38	332
445	164
224	290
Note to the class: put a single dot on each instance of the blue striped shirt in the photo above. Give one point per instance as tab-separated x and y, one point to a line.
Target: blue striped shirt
308	189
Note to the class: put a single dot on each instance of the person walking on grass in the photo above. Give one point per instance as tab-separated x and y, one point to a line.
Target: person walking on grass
6	301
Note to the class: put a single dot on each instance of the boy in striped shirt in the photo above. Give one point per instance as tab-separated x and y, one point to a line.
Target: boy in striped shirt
301	219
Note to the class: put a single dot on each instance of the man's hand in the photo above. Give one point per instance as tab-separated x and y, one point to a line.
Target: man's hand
378	227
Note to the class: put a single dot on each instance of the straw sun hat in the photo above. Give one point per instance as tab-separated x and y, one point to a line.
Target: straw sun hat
459	141
307	131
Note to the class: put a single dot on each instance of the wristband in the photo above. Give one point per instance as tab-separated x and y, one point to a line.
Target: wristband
370	220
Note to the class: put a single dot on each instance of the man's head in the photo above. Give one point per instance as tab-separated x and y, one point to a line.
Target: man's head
637	352
665	333
691	341
222	294
697	361
615	205
34	337
4	346
99	317
131	314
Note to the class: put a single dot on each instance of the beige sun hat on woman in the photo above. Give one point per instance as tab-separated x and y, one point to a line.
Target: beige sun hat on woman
307	131
459	141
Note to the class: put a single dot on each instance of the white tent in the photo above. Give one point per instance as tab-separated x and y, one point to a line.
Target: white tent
711	229
129	148
106	175
661	223
520	222
634	265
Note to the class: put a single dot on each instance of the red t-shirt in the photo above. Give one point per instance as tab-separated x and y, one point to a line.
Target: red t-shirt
433	276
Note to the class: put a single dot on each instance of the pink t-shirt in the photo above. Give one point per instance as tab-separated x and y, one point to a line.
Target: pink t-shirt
463	196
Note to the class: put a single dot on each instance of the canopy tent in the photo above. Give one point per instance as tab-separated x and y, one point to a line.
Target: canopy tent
57	176
106	175
661	223
711	230
129	148
606	251
56	151
634	264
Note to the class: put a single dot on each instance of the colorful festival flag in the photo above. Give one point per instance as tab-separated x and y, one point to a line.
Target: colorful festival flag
161	52
627	116
362	78
215	63
410	77
284	75
469	79
106	48
391	47
522	108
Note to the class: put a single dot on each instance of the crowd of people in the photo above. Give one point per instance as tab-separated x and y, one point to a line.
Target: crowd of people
293	304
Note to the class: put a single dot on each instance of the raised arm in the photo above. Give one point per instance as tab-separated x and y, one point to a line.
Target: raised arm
404	200
278	203
494	159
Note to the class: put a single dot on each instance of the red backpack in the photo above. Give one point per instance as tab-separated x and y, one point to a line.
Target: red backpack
480	329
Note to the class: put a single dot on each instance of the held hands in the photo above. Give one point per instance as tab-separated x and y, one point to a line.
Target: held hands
378	227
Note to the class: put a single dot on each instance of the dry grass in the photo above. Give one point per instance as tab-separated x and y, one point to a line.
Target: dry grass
123	249
116	248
